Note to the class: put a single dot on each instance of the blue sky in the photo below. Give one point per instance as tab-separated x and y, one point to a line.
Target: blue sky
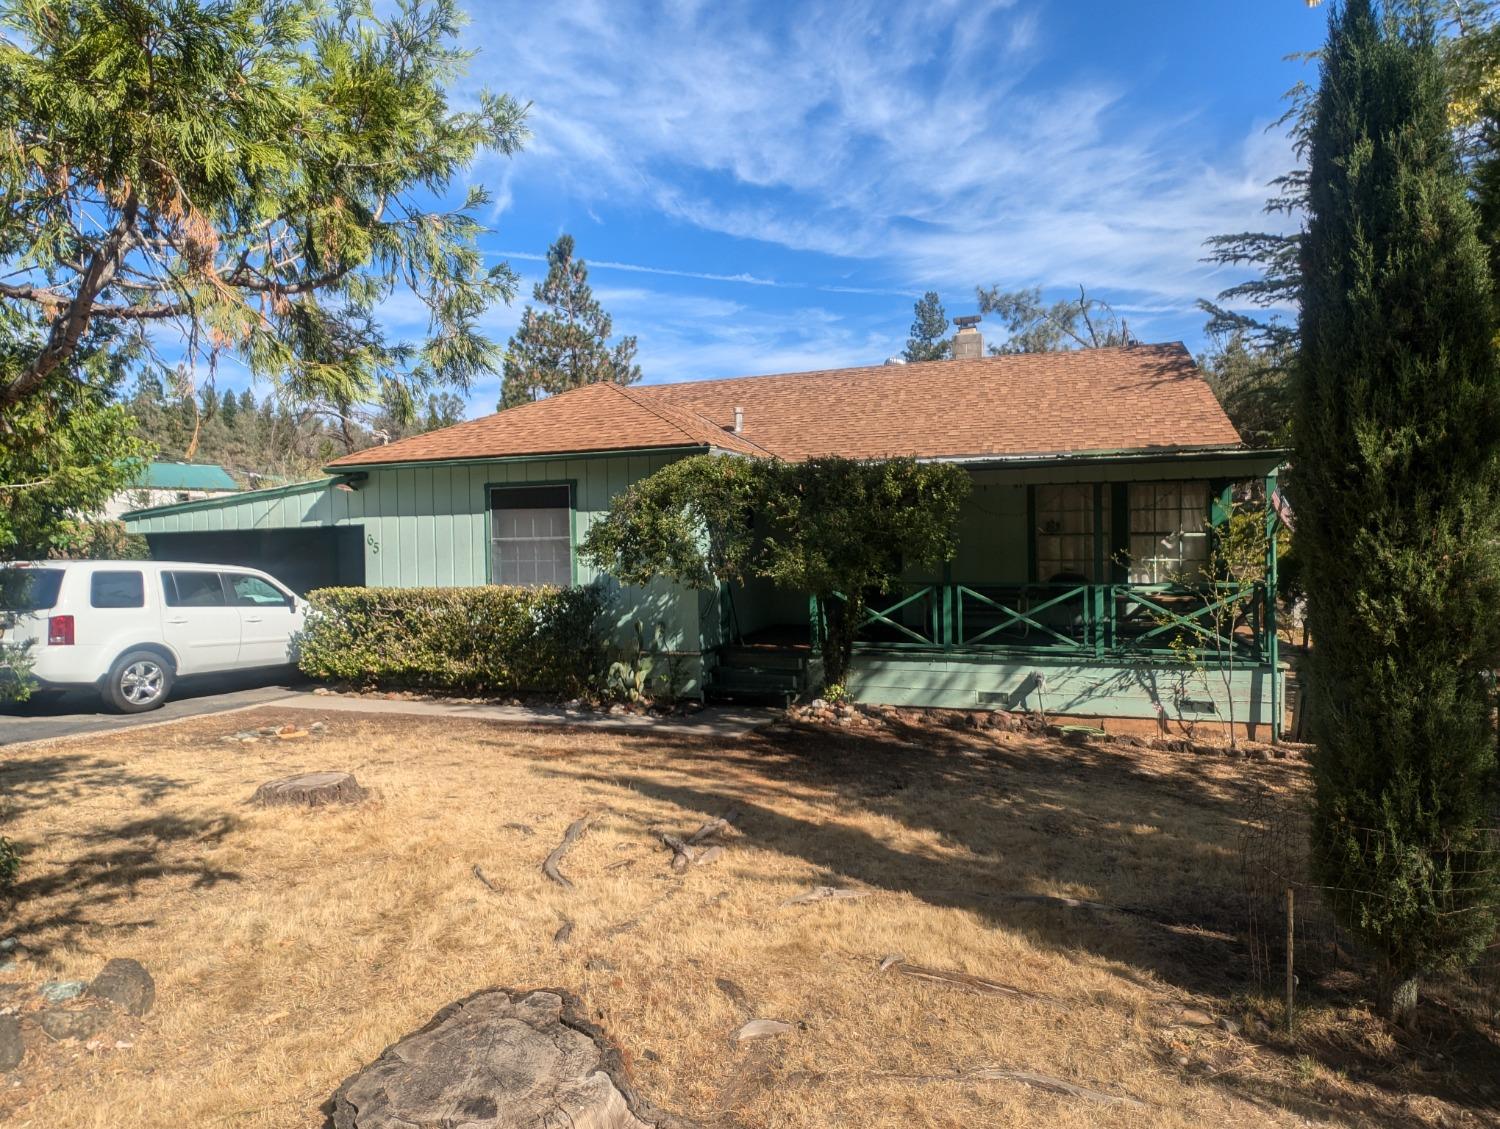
764	188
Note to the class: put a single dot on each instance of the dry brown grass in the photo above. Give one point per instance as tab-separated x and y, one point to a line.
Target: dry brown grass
290	947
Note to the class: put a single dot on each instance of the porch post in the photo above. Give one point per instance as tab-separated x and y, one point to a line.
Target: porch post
1273	643
945	607
1095	603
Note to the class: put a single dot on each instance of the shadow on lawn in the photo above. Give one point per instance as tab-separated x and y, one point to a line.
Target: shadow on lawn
53	906
1037	818
56	778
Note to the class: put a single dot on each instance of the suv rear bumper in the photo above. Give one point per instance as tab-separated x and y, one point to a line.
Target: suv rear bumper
8	678
62	667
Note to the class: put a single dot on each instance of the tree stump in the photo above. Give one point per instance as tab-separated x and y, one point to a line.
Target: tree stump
310	790
499	1059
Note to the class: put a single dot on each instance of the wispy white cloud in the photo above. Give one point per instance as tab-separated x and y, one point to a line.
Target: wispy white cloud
747	279
709	276
928	138
892	148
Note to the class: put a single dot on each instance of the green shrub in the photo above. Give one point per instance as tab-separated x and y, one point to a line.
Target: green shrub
462	639
10	864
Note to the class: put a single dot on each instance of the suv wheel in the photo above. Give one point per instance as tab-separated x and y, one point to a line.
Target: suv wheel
139	681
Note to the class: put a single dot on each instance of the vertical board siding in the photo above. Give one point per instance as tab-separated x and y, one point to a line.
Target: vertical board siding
430	526
408	531
423	525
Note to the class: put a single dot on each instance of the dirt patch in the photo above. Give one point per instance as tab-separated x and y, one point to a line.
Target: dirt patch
1100	881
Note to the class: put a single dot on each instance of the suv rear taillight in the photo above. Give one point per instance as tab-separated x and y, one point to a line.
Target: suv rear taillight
60	630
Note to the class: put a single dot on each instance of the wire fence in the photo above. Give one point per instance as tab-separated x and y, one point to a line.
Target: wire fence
1288	913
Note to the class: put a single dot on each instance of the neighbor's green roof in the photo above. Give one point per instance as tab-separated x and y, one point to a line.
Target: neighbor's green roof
184	476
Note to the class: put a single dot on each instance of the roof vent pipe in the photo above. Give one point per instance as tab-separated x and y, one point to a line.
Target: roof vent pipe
739	420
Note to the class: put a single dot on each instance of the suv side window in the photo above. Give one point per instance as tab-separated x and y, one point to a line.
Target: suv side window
193	590
253	592
111	589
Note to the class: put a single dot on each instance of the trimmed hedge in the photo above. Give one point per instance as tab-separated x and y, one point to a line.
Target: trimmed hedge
469	639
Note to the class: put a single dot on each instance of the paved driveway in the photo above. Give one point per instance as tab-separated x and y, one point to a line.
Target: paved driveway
77	713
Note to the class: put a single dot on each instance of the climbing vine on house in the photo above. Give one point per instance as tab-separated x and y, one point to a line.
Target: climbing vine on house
837	529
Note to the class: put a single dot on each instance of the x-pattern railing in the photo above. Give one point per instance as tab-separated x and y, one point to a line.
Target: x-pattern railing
883	615
1225	602
1014	617
1094	619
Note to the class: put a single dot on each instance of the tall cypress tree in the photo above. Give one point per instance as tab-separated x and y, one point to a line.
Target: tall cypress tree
1397	435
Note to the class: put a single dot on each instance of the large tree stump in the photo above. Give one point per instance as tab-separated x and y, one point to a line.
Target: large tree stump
500	1059
310	790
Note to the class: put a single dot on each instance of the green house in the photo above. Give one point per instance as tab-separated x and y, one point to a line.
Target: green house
163	482
1098	478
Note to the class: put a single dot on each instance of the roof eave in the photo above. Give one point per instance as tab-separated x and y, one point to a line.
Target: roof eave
235	498
339	467
1269	457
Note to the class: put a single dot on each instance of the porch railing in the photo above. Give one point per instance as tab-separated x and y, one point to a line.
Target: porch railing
1211	623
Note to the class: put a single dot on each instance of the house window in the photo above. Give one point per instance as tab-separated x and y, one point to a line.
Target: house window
1065	533
1169	535
531	535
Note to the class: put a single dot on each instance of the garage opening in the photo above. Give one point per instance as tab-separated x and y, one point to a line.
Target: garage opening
302	559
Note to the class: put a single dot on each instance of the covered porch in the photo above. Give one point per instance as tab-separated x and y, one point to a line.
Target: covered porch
1088	585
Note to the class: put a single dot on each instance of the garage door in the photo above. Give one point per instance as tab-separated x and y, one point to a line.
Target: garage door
302	559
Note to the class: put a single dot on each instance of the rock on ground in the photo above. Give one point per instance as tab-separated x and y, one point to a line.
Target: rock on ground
84	1024
499	1059
61	991
310	789
12	1049
124	982
763	1029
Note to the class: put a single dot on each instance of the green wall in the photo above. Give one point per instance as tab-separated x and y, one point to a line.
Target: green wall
992	534
429	525
1097	689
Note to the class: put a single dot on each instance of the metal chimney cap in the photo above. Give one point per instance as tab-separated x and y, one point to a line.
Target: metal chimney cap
967	320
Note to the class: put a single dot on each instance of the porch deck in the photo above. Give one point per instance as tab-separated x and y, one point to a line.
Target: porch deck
1188	654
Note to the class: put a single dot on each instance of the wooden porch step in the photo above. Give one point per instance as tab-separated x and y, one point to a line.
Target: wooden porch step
791	658
750	680
758	674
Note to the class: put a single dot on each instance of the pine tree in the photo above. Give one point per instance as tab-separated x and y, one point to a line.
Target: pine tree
1031	326
565	345
928	340
1397	433
262	172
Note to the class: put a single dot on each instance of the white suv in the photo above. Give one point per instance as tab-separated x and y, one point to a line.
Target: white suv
131	628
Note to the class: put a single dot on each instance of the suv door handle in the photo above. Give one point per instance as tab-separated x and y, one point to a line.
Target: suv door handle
252	619
178	619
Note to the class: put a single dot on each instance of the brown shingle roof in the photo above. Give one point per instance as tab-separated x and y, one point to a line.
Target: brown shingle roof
1134	398
597	417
